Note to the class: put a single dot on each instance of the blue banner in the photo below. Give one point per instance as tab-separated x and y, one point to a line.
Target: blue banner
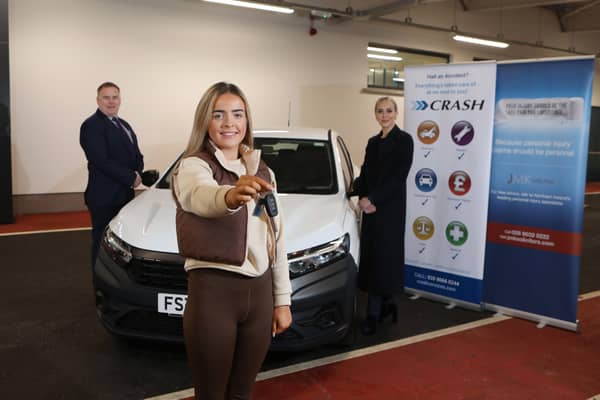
537	186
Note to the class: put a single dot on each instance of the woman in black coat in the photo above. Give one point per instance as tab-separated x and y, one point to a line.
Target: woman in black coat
381	188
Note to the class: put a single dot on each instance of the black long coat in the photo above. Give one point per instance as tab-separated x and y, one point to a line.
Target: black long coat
383	180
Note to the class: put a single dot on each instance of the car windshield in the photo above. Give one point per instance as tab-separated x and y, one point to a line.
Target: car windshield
300	166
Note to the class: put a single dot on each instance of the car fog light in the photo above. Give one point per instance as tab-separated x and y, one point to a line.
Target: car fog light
99	300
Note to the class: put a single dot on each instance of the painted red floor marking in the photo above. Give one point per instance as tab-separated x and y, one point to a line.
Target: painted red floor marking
504	359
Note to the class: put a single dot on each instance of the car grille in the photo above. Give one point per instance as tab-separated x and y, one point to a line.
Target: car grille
159	274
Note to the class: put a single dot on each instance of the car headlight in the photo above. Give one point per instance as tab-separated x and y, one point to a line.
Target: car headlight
116	248
305	261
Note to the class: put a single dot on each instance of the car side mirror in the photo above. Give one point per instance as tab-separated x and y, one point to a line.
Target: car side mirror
149	177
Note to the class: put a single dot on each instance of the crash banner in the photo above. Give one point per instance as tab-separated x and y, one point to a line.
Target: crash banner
537	186
448	110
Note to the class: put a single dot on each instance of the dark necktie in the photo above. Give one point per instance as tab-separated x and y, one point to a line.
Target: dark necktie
118	124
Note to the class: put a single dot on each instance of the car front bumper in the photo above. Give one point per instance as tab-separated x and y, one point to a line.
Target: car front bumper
323	301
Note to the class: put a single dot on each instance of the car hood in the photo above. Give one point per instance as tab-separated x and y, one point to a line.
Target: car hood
148	221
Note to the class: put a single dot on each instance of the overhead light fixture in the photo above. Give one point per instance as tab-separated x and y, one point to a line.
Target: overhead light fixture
482	42
398	79
257	6
321	14
383	57
382	50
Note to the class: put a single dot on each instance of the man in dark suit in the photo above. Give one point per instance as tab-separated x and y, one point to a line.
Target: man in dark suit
115	162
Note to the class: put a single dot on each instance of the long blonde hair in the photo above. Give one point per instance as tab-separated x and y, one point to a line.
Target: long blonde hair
203	116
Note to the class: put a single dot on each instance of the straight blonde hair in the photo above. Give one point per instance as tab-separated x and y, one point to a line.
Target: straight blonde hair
203	115
386	98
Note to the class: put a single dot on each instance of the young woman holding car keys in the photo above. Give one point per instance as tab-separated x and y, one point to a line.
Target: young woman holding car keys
230	232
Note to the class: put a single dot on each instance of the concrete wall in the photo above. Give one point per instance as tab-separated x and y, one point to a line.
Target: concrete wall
165	53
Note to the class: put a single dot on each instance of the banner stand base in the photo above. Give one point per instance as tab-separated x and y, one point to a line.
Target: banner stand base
540	319
450	302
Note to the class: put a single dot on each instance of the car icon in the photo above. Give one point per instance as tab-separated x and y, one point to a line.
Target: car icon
426	179
428	133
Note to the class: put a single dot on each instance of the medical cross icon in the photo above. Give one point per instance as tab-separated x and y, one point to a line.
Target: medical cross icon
456	233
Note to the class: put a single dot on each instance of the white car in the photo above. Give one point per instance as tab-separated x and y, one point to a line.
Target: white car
139	278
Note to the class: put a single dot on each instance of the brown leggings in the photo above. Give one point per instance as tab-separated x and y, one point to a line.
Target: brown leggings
227	330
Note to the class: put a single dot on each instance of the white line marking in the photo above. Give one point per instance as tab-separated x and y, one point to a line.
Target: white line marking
589	295
369	350
378	348
45	231
351	354
174	396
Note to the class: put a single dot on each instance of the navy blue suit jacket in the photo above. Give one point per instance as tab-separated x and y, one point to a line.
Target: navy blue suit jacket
112	161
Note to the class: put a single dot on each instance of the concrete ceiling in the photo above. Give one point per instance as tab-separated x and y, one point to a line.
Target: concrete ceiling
570	16
574	15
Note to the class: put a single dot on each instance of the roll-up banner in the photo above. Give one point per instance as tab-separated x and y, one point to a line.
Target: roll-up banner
449	112
537	187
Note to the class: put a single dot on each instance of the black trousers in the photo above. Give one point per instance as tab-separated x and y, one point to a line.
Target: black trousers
101	216
375	304
227	330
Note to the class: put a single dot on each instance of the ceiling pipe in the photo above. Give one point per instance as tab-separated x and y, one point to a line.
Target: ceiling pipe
364	13
580	9
492	5
304	7
449	30
386	8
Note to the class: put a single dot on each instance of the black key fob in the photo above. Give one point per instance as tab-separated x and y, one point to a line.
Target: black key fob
267	200
271	205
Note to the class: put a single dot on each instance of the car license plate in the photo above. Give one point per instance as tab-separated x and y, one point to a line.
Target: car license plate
173	304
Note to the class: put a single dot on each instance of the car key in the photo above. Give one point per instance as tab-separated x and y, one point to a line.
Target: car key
271	204
267	200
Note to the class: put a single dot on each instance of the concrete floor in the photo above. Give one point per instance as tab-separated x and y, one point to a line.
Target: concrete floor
52	346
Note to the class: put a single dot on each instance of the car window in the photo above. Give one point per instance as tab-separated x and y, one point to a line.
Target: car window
165	181
300	166
346	163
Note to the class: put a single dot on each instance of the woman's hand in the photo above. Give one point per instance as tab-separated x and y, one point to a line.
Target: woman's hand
282	319
246	188
366	206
